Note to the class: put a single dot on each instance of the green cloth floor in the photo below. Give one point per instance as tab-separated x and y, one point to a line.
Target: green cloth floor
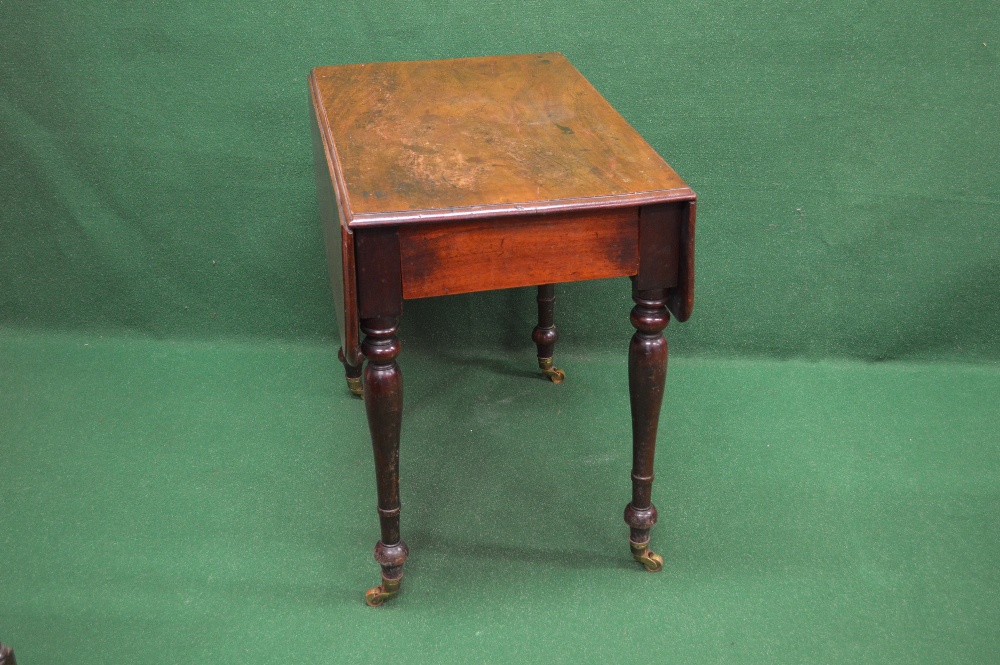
197	502
197	486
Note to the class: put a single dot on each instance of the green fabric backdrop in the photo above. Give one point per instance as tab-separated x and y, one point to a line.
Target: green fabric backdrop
155	171
184	477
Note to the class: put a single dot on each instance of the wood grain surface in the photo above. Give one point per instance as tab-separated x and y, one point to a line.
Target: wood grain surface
455	139
454	176
461	257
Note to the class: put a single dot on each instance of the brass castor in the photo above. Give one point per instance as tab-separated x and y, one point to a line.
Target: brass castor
641	553
555	374
353	375
354	385
379	594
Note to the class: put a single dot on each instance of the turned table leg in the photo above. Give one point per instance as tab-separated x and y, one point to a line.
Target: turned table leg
647	374
545	334
384	406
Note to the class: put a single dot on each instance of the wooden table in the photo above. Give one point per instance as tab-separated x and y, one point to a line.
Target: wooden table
454	176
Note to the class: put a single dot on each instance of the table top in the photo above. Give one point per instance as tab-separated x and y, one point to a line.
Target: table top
479	137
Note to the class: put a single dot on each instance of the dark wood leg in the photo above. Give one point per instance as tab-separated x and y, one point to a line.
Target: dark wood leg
647	374
352	373
7	655
384	406
545	334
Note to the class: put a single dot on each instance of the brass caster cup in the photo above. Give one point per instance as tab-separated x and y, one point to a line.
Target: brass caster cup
354	385
378	595
640	552
555	374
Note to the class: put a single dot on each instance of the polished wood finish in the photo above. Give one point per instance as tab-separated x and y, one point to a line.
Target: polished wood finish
339	243
680	298
454	176
380	284
452	257
647	375
481	137
545	334
659	228
380	303
384	407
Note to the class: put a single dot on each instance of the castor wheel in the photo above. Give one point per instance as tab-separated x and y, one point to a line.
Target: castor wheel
640	552
555	374
383	592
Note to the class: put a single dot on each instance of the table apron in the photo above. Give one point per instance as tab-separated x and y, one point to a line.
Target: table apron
509	252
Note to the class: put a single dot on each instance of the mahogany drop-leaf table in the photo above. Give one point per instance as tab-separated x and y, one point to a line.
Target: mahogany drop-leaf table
454	176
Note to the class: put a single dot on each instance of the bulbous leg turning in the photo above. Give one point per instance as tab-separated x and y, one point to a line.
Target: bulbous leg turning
641	521
384	407
545	334
391	558
647	374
